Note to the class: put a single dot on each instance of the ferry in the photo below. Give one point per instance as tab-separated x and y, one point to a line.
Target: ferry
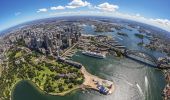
105	87
94	54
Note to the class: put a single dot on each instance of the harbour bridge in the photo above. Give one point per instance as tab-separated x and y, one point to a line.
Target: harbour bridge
136	55
142	57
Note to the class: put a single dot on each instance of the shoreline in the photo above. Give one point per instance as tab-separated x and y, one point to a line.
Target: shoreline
92	81
87	84
42	91
166	90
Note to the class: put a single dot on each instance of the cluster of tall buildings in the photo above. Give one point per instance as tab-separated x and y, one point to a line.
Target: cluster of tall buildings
48	39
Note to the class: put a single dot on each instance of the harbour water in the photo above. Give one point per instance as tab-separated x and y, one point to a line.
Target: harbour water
133	81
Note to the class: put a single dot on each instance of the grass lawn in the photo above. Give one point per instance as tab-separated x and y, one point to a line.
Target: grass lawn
18	54
42	72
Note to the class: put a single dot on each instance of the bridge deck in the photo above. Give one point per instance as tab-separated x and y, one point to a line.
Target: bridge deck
142	57
142	61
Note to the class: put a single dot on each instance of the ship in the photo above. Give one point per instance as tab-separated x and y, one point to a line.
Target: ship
94	54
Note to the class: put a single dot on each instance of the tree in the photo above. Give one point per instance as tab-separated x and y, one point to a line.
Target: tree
67	81
59	85
70	86
79	81
31	74
57	77
48	88
61	89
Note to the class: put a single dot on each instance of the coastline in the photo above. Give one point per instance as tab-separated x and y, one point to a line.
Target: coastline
41	91
166	90
88	83
68	90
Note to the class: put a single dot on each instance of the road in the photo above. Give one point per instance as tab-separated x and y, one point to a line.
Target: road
69	49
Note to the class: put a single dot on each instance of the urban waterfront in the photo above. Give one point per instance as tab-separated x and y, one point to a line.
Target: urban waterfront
133	81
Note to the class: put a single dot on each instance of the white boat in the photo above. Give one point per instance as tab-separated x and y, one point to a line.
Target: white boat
93	54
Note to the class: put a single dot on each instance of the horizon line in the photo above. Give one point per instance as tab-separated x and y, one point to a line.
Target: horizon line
37	19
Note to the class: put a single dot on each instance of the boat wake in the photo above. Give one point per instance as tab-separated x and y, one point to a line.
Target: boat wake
134	89
119	38
146	86
146	82
140	90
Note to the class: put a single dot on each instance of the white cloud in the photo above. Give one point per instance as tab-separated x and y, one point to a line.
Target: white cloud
42	10
107	7
58	8
17	13
77	3
71	7
162	21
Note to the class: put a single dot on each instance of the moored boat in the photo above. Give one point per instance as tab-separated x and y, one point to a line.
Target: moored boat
93	54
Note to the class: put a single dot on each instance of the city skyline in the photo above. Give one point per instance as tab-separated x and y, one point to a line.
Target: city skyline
84	50
150	12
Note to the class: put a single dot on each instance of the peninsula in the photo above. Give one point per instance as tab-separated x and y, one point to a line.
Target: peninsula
43	58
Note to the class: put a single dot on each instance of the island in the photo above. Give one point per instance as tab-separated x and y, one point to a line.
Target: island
122	34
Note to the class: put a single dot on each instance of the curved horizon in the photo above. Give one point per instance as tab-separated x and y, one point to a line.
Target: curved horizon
105	49
27	22
140	11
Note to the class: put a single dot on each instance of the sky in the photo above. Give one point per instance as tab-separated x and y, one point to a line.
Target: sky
152	12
